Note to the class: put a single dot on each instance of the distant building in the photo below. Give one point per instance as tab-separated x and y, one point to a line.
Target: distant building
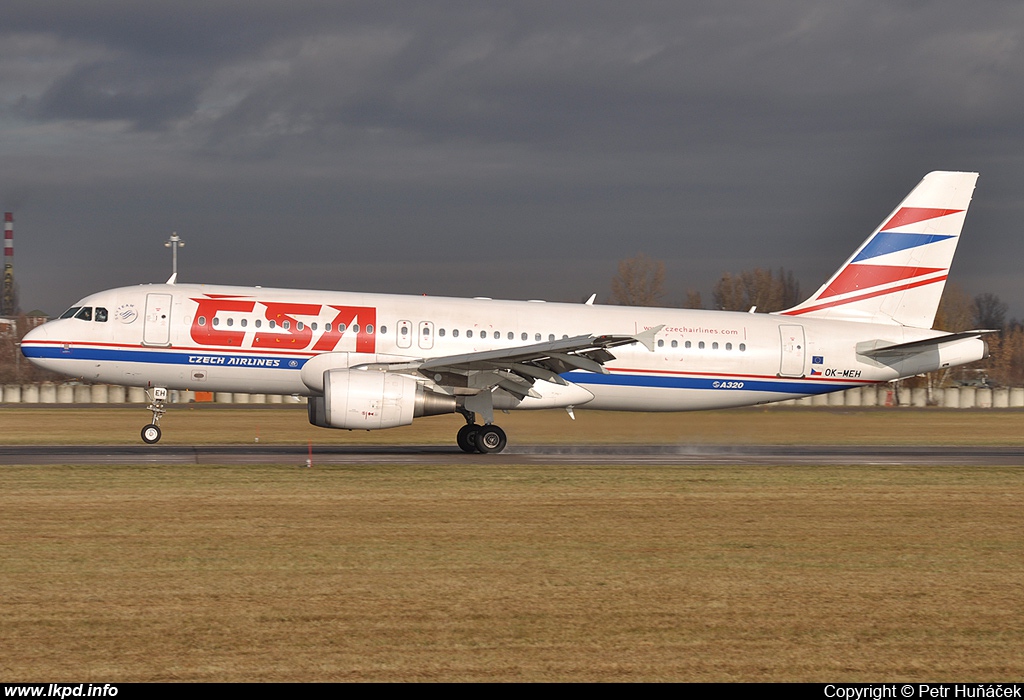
9	324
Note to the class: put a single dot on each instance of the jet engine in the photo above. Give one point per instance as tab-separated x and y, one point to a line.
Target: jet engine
370	400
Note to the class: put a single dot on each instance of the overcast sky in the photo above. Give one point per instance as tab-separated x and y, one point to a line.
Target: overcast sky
513	149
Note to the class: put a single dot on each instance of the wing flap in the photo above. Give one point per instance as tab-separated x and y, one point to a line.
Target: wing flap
515	369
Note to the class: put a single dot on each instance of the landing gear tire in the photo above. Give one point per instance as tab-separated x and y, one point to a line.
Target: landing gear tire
467	437
490	439
151	434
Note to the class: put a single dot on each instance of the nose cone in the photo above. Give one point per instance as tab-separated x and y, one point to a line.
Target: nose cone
35	343
36	334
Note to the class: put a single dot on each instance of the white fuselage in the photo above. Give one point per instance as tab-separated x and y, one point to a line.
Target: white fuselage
244	339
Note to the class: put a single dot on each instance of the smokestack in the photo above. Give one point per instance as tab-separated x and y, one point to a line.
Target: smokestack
7	297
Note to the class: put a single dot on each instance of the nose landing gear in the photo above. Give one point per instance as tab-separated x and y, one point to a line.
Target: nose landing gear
151	433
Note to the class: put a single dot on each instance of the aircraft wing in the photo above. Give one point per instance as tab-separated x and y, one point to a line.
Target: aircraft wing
515	369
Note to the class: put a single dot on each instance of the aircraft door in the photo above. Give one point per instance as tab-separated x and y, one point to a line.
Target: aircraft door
404	334
426	335
157	329
793	351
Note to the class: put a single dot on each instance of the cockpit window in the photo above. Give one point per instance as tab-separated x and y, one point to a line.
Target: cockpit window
85	313
101	314
70	312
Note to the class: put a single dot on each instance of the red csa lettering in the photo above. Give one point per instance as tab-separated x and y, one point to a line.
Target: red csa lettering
294	339
206	334
348	315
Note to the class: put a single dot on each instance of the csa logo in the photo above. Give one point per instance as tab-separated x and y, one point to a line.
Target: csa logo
126	313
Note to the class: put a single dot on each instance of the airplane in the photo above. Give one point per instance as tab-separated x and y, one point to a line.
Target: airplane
375	361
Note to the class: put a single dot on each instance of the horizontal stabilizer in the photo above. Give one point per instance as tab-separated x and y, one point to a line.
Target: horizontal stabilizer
884	348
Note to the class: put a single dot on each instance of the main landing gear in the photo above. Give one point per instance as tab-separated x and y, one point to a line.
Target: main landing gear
151	433
485	439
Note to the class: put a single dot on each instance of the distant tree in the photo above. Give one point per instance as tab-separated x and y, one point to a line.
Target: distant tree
989	311
14	368
640	282
956	310
758	287
693	300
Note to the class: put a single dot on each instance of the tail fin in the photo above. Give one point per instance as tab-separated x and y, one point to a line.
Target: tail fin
898	273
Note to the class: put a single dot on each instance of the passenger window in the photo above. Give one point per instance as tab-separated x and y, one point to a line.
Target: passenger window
675	343
216	321
327	327
405	330
440	332
700	345
70	312
243	323
258	323
272	324
369	328
202	320
714	346
426	330
536	337
743	347
483	334
312	326
101	314
511	335
341	328
455	332
85	313
551	337
688	345
231	322
286	324
469	334
728	346
661	343
355	327
298	325
383	330
525	336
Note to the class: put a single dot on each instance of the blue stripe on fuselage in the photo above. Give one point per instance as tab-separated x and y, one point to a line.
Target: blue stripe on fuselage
165	357
724	383
162	357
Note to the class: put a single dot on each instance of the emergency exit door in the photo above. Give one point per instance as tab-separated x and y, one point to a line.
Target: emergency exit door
793	351
157	330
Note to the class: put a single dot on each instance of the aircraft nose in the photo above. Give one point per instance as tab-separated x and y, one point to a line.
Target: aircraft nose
33	340
36	334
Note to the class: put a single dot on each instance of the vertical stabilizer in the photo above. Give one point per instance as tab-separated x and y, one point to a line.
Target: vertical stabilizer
898	274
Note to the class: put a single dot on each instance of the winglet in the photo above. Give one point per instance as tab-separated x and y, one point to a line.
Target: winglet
647	337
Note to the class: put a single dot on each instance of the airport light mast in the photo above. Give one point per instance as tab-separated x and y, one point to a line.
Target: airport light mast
174	242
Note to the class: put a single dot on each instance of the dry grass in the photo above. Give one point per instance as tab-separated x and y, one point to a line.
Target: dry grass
211	424
566	573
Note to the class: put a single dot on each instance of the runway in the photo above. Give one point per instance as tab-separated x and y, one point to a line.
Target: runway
522	454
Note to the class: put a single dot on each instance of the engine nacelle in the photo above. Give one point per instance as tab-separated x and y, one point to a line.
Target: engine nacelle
371	400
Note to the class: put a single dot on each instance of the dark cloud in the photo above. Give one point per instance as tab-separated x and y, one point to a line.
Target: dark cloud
145	95
459	145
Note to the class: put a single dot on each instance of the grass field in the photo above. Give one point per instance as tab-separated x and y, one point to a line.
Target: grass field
206	424
558	572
